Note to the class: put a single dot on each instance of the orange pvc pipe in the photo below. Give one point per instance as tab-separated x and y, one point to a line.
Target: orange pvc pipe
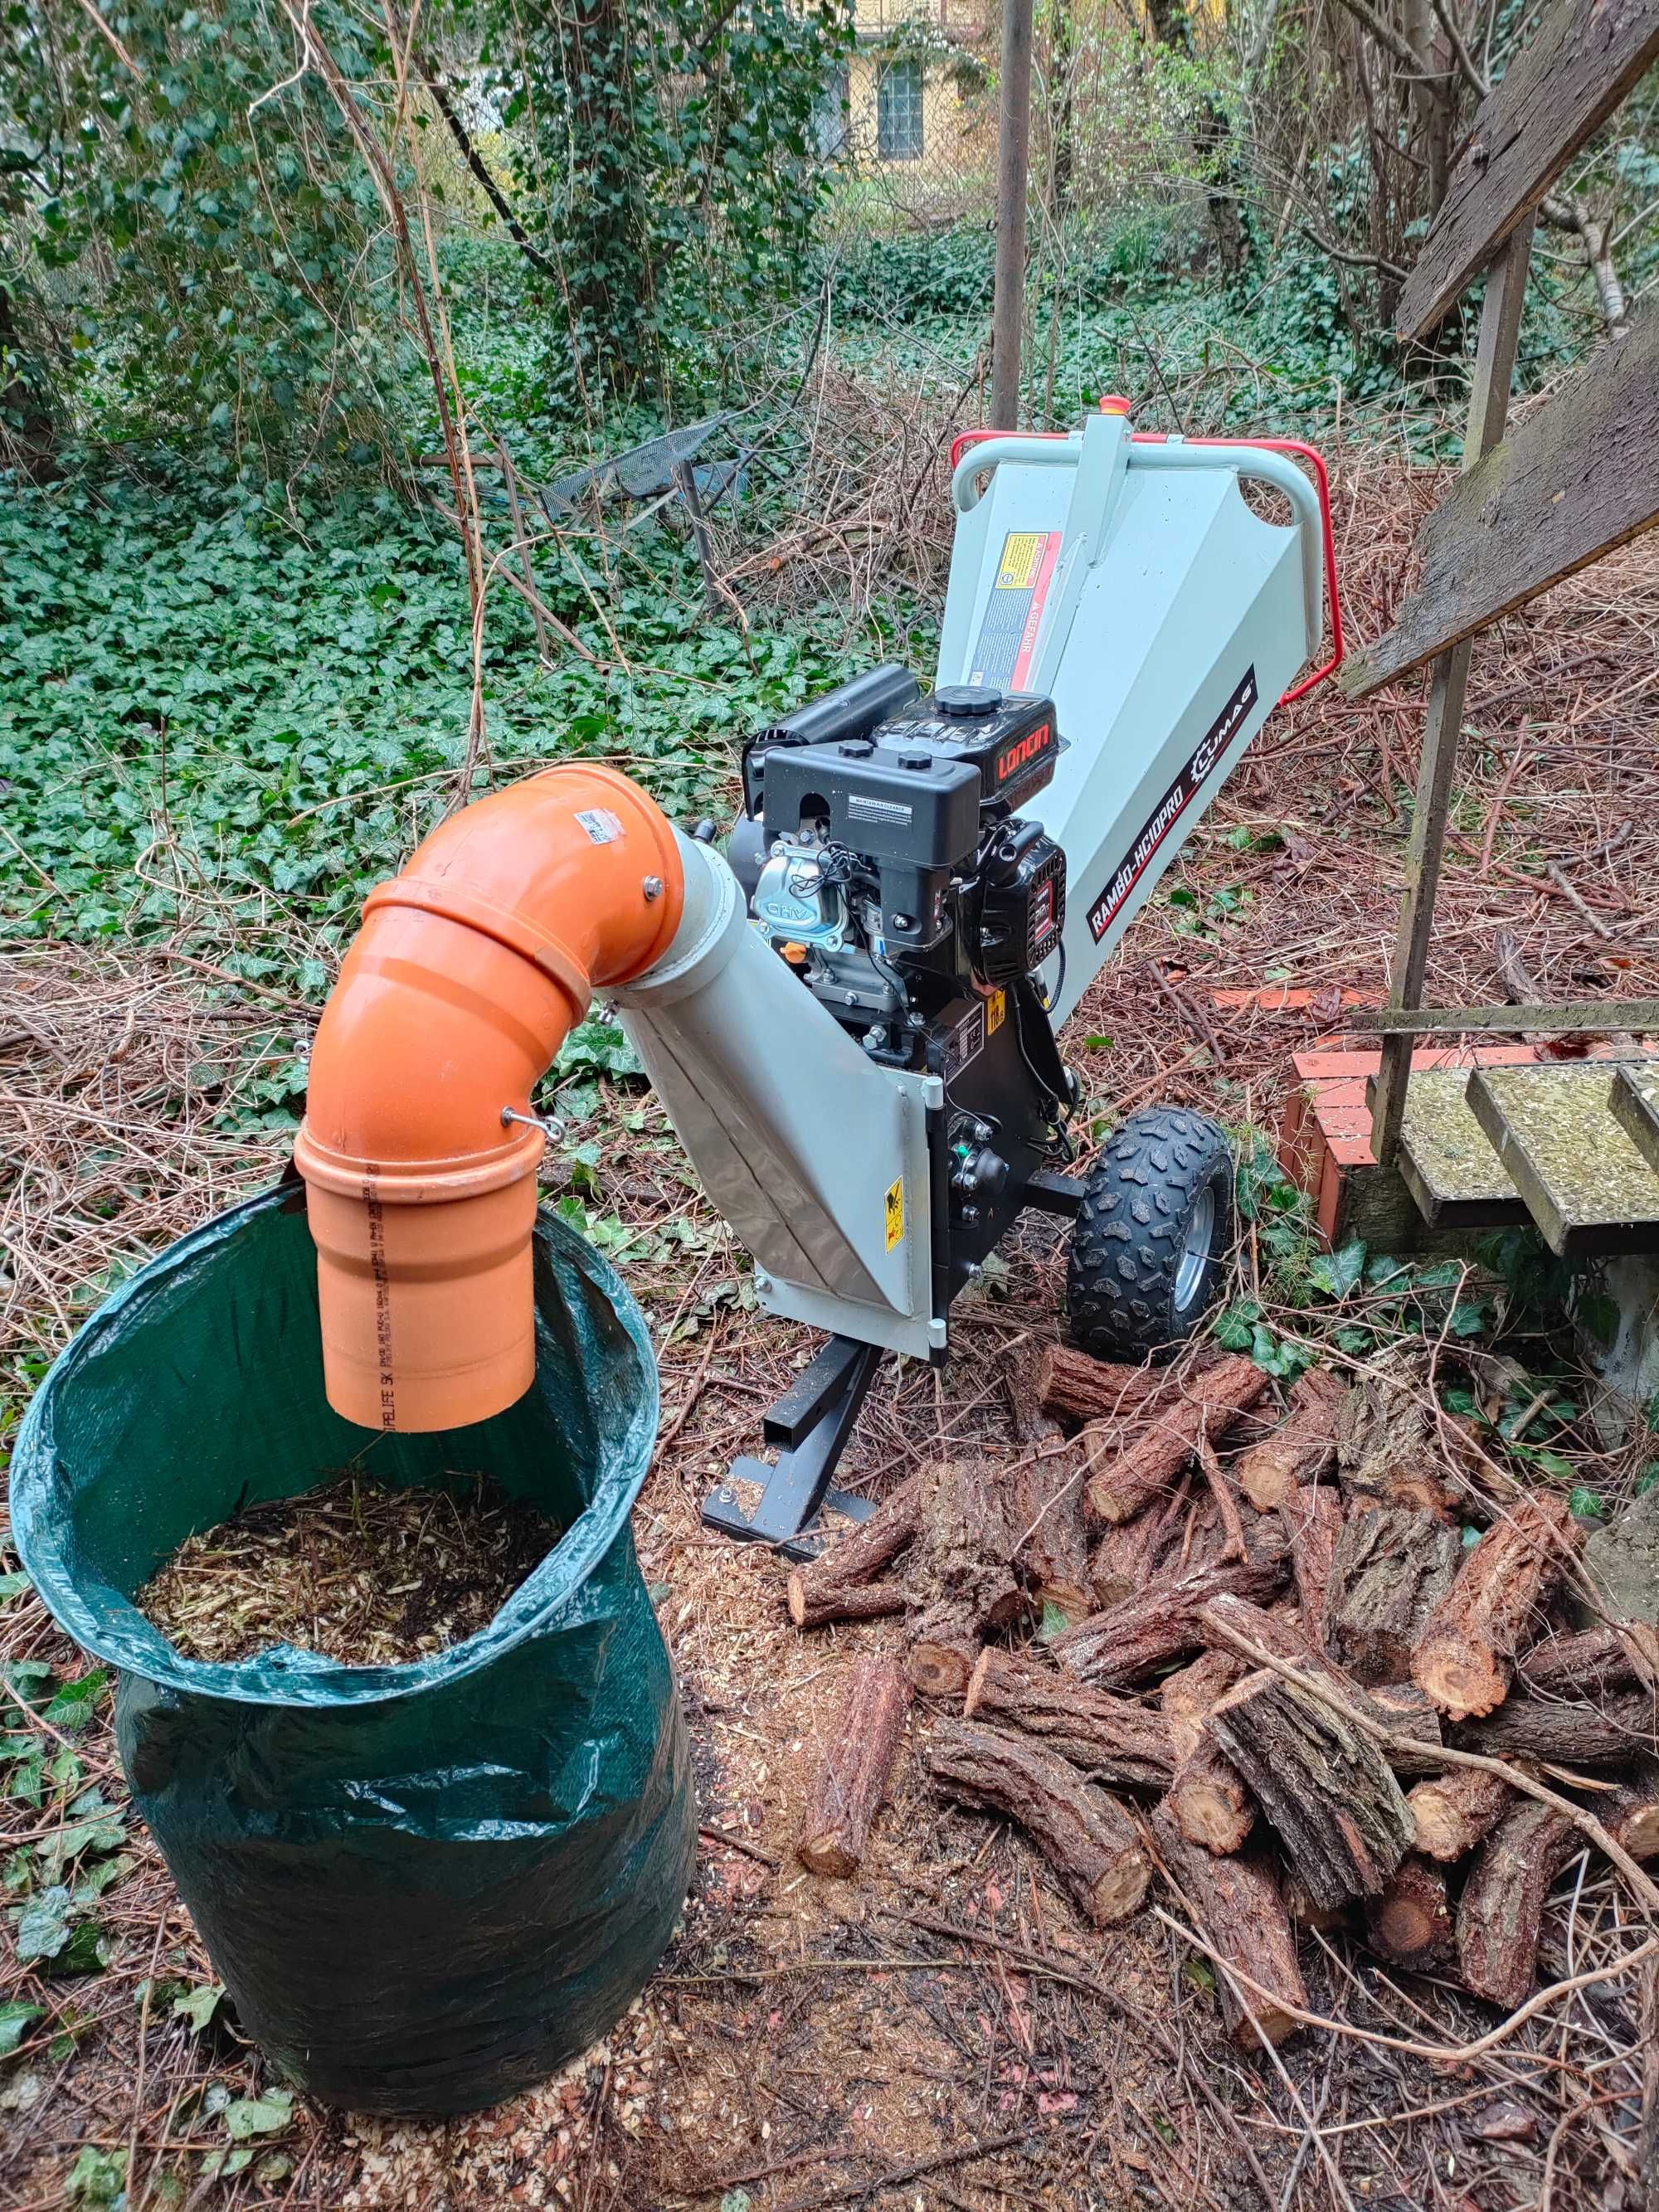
469	970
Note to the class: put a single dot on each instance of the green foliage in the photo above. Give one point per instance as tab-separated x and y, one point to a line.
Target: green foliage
664	161
195	256
97	2180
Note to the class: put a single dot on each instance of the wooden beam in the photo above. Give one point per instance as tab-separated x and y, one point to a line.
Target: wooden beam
1553	97
1578	478
1591	1017
1489	401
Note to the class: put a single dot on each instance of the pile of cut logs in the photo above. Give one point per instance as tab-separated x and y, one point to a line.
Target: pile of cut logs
1275	1652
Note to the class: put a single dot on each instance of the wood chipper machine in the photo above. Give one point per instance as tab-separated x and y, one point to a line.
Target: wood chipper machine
852	1015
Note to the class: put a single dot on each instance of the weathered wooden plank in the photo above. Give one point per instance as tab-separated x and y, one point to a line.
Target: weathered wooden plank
1553	98
1590	1017
1577	479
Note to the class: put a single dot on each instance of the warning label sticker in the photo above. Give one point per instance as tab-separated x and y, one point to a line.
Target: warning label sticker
1013	613
893	1208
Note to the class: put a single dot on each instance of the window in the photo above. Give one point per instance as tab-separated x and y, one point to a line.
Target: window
830	117
898	111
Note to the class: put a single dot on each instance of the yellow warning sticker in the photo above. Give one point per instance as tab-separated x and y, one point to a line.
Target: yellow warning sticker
1021	551
996	1005
895	1210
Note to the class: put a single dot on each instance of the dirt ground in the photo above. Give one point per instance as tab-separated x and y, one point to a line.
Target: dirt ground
943	2030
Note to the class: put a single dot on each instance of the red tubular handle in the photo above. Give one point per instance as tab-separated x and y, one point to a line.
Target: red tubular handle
965	439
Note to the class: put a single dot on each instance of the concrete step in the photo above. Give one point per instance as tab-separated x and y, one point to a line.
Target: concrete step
1584	1182
1447	1161
1635	1108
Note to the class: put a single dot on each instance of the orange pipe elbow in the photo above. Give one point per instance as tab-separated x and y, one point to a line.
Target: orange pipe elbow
469	970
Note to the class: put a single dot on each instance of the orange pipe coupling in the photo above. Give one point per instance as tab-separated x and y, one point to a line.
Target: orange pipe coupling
469	970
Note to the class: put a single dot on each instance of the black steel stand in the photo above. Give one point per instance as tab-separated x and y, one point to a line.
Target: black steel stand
810	1424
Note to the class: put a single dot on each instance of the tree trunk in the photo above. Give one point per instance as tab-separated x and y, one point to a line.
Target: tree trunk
1089	1841
855	1558
1240	1911
1312	1521
1118	1488
1122	1645
963	1586
1111	1739
1394	1564
1466	1656
1502	1908
1579	1734
1410	1920
1322	1783
852	1780
1454	1810
1301	1451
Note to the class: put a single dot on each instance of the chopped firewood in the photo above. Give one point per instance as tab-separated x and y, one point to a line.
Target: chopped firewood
964	1587
852	1562
1394	1564
1304	1913
1160	1623
1312	1522
1124	1482
860	1601
1502	1908
1210	1800
1187	1695
1113	1739
1321	1781
1632	1817
1089	1840
1588	1665
852	1778
1070	1385
1388	1439
1454	1810
1122	1561
1409	1921
1052	1556
1241	1913
1299	1451
1572	1732
1466	1655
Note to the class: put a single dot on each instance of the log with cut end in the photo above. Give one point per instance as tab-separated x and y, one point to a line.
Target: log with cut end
1394	1565
1389	1431
1210	1800
1321	1781
852	1781
1312	1522
1089	1841
1188	1696
1465	1656
1111	1739
962	1583
835	1586
1300	1451
1072	1387
1592	1663
1123	1560
1126	1481
1127	1642
1052	1555
1454	1810
1631	1818
1240	1914
1501	1910
1409	1921
1571	1732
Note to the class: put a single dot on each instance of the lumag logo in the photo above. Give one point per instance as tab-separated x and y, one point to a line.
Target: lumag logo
1214	742
1024	749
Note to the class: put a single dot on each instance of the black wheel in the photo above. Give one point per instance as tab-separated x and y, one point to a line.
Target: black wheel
1152	1237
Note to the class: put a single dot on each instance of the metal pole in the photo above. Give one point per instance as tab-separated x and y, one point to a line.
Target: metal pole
1013	151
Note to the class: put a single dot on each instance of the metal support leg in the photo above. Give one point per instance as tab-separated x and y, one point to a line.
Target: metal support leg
810	1424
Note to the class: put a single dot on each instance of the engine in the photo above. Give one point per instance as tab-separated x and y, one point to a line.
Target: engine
888	863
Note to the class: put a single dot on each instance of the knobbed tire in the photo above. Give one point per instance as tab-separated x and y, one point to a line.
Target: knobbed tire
1152	1236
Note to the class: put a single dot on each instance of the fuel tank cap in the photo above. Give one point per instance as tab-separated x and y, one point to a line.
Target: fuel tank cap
967	699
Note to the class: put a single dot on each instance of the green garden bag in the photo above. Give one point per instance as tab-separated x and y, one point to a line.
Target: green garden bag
425	1887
